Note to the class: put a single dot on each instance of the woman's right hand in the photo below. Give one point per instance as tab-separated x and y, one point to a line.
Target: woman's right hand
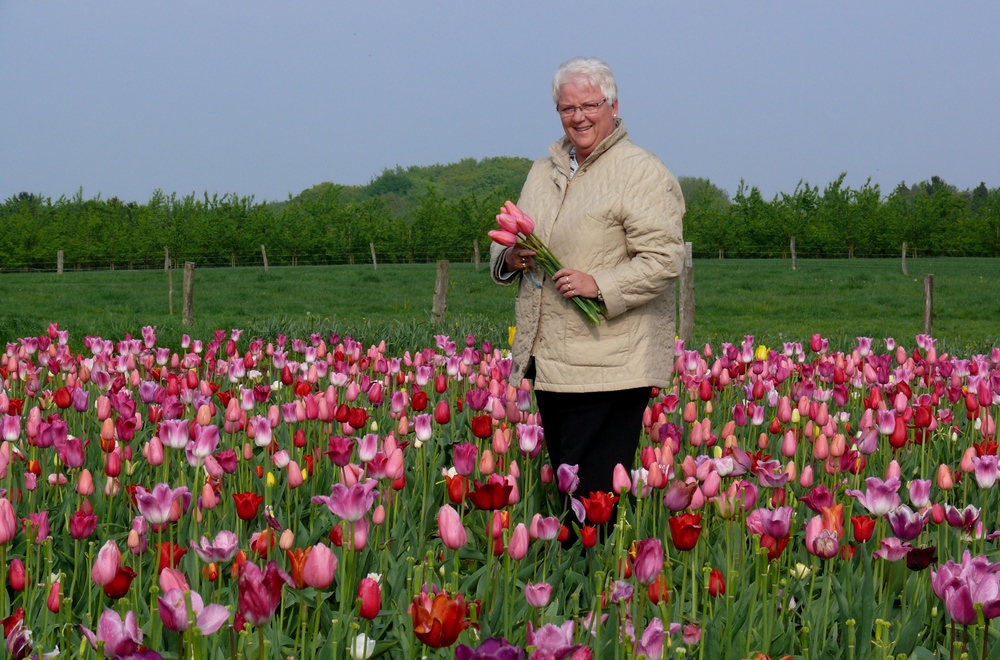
519	258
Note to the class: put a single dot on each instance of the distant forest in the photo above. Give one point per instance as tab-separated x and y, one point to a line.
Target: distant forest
421	214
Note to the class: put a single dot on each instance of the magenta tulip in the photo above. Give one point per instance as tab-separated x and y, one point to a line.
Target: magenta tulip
260	591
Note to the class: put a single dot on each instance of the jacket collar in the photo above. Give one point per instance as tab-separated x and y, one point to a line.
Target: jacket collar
560	150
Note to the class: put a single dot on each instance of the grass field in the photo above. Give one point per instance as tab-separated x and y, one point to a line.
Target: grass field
841	299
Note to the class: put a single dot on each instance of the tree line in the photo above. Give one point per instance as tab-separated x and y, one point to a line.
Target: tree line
421	214
932	217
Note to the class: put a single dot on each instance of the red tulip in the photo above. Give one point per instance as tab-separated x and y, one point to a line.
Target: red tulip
599	507
864	527
247	504
685	530
17	575
716	583
419	401
442	413
170	554
658	590
588	536
458	488
370	595
439	621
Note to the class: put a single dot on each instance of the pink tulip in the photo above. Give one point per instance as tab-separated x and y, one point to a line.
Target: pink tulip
518	546
648	560
106	564
320	567
450	527
620	479
8	521
502	237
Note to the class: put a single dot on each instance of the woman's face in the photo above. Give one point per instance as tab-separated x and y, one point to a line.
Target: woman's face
586	131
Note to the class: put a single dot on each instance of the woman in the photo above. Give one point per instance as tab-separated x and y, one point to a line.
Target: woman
611	212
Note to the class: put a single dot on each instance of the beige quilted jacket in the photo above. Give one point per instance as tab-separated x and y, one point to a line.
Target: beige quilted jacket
618	219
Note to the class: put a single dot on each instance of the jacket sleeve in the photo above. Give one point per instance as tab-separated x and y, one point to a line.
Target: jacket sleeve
653	210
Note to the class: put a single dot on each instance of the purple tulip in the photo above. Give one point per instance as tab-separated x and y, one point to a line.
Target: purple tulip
920	492
648	560
987	470
961	518
70	451
528	437
892	549
678	496
260	591
174	614
771	475
567	479
776	523
552	641
880	496
465	458
817	498
155	506
120	637
905	523
651	642
11	428
962	586
206	439
81	400
221	550
538	594
494	648
349	503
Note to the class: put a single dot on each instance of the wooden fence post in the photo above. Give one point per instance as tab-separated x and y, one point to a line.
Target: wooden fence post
170	279
441	291
188	314
374	262
475	252
795	265
928	303
263	254
59	262
904	259
687	297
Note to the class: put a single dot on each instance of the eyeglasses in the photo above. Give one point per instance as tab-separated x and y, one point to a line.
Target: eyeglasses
588	109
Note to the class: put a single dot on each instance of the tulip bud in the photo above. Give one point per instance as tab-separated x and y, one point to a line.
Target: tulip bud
287	540
944	478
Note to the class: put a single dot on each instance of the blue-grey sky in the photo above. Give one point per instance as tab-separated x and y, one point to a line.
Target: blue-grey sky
267	98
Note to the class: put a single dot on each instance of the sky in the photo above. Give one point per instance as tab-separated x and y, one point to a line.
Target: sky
267	99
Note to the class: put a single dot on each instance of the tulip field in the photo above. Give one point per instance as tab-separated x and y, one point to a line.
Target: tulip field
247	494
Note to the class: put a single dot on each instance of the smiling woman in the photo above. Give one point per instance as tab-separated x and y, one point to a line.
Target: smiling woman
613	217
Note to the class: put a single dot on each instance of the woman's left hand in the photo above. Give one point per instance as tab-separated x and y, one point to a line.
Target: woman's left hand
571	283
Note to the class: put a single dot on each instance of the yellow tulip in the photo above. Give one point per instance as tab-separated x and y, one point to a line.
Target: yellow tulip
511	331
761	353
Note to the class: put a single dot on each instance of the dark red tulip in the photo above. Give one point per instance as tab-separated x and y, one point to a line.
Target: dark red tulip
442	413
491	495
482	426
260	591
119	586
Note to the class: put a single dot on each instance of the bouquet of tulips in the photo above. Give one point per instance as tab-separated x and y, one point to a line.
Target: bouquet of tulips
516	228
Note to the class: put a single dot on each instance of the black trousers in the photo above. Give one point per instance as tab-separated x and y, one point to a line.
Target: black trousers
595	430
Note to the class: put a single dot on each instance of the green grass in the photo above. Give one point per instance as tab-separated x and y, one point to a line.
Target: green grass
841	299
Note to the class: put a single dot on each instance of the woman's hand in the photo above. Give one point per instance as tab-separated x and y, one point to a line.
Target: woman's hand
519	258
572	283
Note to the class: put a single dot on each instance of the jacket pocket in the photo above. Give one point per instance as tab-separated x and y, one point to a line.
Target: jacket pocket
605	345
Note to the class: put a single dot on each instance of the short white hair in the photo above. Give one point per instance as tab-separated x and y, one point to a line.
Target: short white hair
590	71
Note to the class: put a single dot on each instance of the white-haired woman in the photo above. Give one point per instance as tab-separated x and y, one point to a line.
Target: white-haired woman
611	212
